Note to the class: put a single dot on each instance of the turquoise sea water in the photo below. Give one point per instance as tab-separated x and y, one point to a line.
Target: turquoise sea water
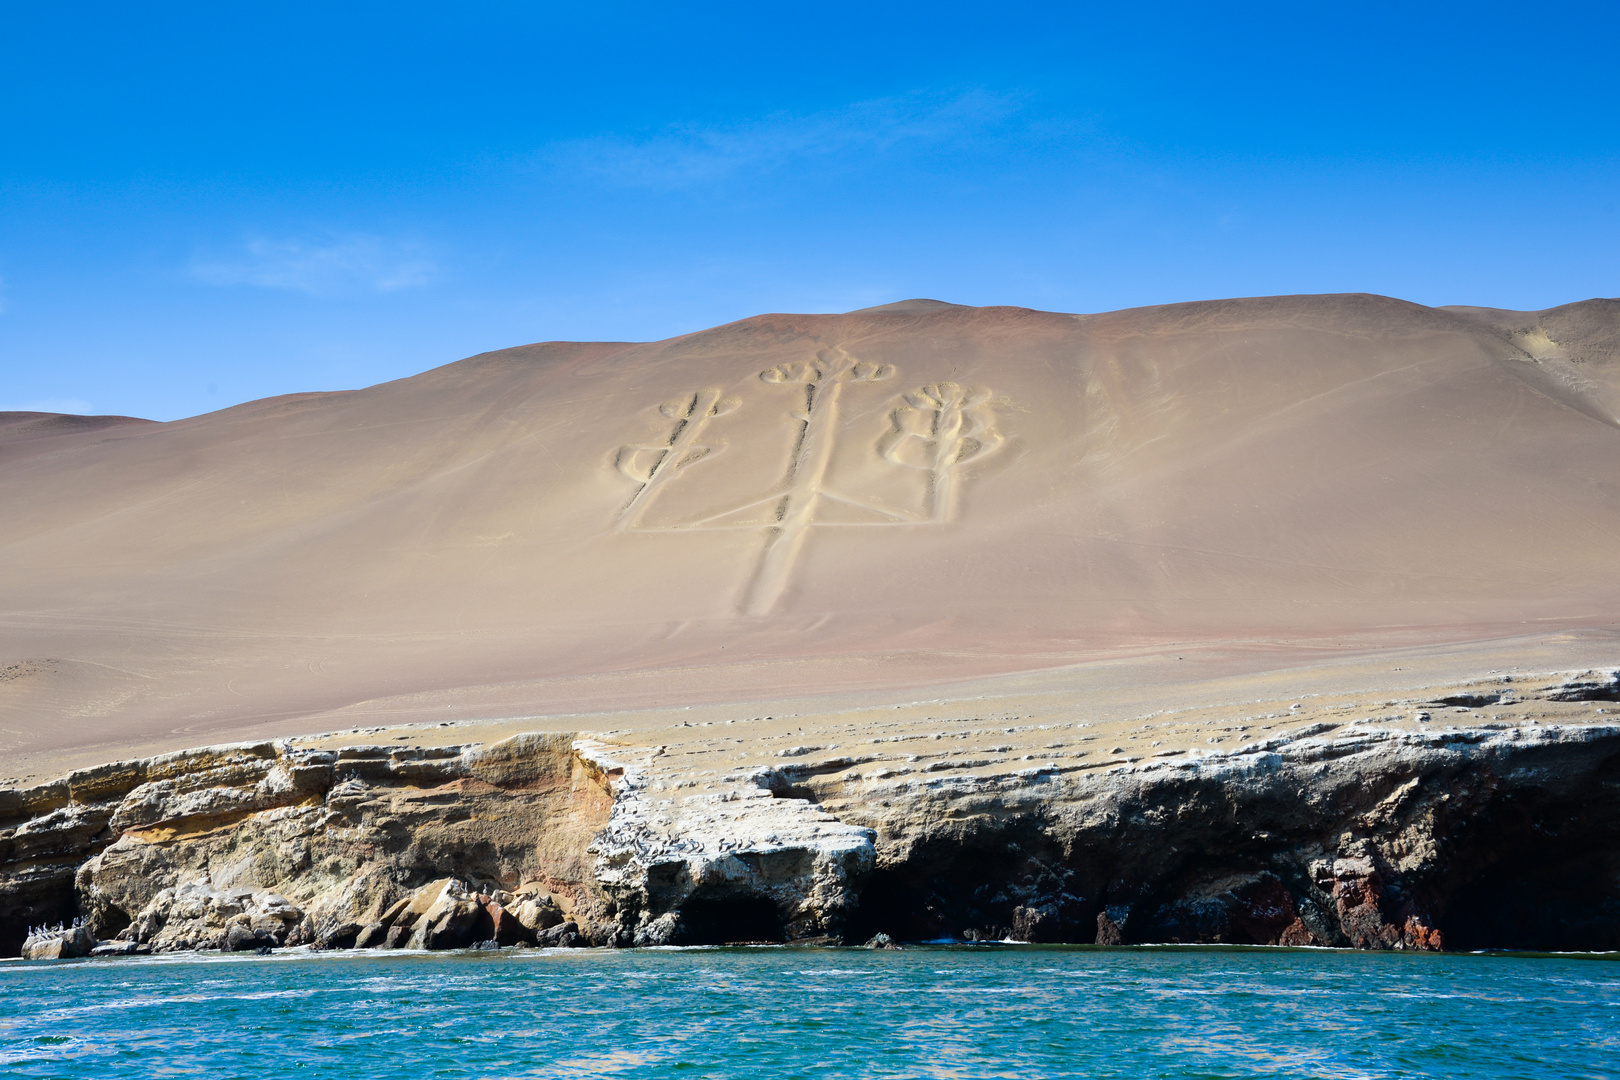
783	1013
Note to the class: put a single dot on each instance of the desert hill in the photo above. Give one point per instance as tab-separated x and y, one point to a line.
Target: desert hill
797	504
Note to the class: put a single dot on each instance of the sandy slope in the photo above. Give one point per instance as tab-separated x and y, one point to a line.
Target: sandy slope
798	505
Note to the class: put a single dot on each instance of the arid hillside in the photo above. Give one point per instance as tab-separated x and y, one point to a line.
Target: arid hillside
797	504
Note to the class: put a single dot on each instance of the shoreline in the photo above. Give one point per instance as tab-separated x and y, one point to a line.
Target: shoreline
304	952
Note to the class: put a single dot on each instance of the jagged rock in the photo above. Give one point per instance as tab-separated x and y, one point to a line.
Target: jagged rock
66	944
563	936
173	846
341	935
1340	835
121	948
1372	915
1037	924
194	915
1109	932
1588	686
664	930
537	913
1227	908
455	928
1374	838
880	941
373	935
444	916
241	938
505	927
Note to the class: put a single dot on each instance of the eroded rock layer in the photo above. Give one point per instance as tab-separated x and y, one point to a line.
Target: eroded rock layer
1480	816
1469	838
280	845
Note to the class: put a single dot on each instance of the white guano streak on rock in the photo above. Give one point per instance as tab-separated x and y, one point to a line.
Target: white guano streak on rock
661	847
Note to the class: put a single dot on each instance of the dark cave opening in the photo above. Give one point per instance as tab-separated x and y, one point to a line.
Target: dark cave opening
730	921
1537	869
46	906
1519	867
1004	882
1569	906
111	921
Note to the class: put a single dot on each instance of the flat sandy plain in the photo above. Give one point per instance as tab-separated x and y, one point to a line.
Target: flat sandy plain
799	529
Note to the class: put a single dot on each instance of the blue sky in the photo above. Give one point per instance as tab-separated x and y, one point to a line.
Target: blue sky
200	206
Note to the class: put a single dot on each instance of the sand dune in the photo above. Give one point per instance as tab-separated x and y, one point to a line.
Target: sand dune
796	504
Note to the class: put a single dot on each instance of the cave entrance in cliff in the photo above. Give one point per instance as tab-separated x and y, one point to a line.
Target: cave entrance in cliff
730	921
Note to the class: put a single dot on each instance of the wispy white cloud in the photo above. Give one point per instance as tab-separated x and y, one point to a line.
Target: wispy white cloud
324	266
690	155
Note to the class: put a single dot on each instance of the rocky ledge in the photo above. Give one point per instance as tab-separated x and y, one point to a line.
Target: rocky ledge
1354	831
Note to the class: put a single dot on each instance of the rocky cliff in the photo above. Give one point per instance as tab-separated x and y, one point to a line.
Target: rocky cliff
280	845
1474	817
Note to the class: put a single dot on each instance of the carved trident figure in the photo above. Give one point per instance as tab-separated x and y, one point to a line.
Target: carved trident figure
934	429
821	380
650	465
937	429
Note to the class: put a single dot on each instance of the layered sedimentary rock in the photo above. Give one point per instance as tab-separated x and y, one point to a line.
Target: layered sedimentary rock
1473	817
267	845
1480	837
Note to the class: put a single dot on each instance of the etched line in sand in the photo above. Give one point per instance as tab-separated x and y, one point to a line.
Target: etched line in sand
935	430
651	464
938	429
822	379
